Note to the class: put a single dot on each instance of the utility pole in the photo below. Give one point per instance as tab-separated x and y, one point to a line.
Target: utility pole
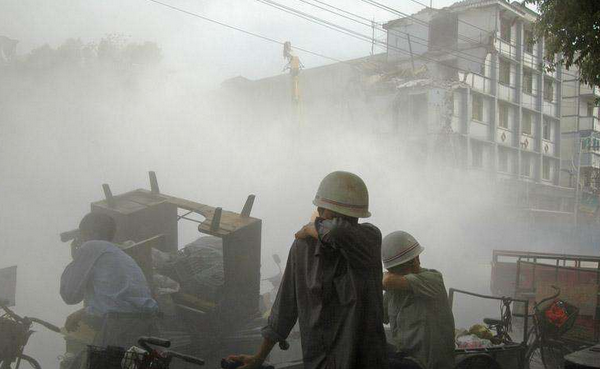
412	60
372	36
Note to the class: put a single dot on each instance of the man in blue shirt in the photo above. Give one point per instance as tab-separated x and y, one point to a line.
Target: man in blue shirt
104	277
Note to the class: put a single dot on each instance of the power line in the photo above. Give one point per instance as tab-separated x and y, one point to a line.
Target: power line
349	32
354	34
397	32
265	38
460	20
417	20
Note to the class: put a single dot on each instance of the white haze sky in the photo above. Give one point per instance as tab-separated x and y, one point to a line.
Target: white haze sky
191	44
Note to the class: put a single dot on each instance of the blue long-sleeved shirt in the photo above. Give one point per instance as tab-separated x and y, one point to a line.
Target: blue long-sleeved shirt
107	280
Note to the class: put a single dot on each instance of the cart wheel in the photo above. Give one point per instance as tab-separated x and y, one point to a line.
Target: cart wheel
477	361
549	355
23	361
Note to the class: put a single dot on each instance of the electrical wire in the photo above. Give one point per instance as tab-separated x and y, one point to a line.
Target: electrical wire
425	23
397	32
349	32
249	33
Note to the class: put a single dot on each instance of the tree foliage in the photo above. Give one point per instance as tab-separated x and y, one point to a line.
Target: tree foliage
571	28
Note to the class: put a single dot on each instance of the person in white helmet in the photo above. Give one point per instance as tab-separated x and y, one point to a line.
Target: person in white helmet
416	304
332	285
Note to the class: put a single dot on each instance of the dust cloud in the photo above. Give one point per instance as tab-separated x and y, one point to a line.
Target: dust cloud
71	122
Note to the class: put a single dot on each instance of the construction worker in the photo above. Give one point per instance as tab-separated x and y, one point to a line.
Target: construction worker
416	305
332	285
104	277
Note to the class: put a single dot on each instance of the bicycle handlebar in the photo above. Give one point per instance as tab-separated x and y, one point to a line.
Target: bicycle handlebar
144	341
548	298
50	326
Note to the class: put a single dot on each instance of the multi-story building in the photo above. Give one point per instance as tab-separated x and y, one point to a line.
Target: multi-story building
462	86
499	106
580	128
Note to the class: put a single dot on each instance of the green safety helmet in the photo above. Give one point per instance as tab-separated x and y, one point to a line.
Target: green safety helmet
344	193
398	248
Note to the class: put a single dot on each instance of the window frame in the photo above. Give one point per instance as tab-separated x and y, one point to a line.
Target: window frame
526	159
501	70
505	30
528	44
548	82
546	168
503	107
529	89
530	123
479	117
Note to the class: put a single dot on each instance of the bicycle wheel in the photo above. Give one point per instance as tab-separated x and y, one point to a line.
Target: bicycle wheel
546	355
24	362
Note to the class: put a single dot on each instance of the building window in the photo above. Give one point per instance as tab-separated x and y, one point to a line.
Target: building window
546	131
527	81
505	29
590	109
548	90
546	169
504	76
528	38
477	154
526	166
503	111
526	123
503	161
478	107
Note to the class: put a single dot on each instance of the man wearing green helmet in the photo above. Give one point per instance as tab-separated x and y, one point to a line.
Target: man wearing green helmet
416	304
332	285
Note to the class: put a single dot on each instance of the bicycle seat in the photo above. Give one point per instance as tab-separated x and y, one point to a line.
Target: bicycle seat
492	321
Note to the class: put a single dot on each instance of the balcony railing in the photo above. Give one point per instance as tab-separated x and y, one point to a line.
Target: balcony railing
589	123
588	90
531	61
505	48
477	82
507	92
530	100
550	108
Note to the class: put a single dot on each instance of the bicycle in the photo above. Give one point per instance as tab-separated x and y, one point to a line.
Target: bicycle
15	332
551	320
147	357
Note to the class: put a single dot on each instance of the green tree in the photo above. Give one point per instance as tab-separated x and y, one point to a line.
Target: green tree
571	28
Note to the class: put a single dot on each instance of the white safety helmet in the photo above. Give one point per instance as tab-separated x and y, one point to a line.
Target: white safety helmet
398	248
344	193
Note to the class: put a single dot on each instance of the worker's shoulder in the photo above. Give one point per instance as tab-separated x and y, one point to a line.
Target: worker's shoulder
97	247
371	228
303	245
431	274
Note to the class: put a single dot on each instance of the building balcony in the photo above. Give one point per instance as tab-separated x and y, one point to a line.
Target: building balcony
550	108
553	73
589	124
478	82
549	148
531	61
530	100
588	90
504	136
528	142
506	48
590	159
508	93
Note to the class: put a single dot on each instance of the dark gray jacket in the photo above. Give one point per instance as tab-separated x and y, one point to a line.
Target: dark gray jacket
332	287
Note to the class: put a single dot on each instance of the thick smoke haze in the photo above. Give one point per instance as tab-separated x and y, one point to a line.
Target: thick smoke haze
66	130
